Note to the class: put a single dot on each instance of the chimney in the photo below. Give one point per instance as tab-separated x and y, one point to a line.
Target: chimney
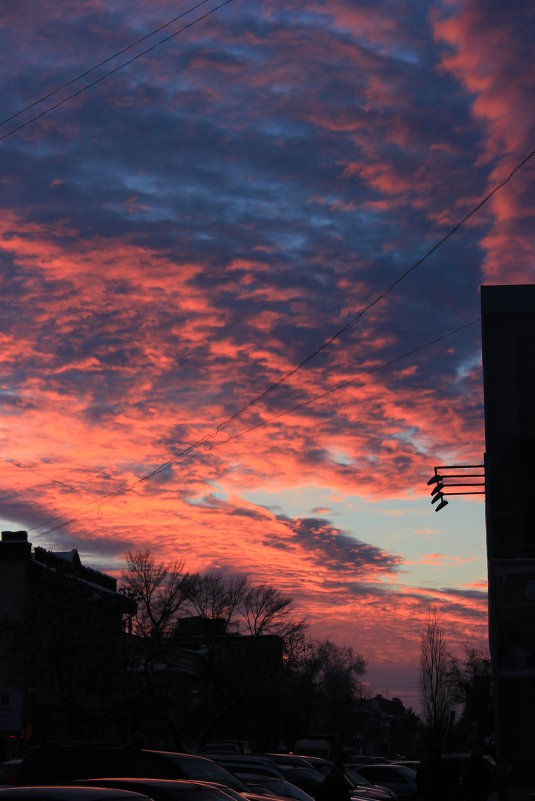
14	536
14	546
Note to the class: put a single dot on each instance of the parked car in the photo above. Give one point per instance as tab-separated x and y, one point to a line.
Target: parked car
9	771
409	763
55	793
308	779
55	763
276	786
400	779
356	782
248	763
287	761
266	784
366	788
164	789
226	747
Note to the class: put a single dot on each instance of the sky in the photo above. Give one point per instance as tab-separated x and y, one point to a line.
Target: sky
226	333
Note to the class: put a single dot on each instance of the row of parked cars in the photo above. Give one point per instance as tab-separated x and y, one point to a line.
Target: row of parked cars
72	772
307	772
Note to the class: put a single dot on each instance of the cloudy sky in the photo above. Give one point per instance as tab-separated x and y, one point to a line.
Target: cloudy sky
223	333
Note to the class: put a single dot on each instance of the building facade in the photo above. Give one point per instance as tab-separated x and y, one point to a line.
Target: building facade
62	665
508	329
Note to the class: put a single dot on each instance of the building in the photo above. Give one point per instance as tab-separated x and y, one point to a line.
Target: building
508	328
386	728
203	682
62	665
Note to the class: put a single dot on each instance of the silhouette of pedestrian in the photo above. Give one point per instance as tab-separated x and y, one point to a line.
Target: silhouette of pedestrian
477	782
334	786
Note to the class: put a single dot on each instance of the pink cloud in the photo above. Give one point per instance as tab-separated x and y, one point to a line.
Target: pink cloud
487	55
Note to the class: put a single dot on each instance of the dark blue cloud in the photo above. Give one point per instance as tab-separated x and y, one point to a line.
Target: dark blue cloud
334	547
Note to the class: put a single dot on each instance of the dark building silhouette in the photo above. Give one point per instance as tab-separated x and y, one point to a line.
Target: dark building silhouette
213	684
508	329
61	645
386	728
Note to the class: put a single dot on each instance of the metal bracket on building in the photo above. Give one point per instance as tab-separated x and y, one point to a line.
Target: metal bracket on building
442	479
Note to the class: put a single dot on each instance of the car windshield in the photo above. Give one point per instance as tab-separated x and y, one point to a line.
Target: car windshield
193	794
356	777
408	773
286	789
207	771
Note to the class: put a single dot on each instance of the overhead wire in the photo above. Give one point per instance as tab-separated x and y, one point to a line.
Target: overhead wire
50	480
357	317
348	326
352	322
188	453
111	72
100	64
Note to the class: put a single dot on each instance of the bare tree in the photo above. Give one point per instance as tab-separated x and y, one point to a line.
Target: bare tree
330	685
215	595
159	592
436	692
266	611
471	680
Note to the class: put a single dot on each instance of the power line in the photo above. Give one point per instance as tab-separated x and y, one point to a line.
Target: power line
358	316
382	296
190	453
348	326
100	64
111	72
49	480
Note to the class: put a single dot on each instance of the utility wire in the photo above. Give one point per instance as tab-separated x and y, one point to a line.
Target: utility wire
101	64
189	453
49	480
111	72
349	325
358	316
383	295
353	321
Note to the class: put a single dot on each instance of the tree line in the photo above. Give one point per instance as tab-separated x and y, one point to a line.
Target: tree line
265	680
207	655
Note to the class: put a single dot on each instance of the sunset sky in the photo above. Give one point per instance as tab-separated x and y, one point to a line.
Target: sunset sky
252	195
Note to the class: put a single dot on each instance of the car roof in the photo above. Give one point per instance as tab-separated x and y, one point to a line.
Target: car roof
64	792
157	784
150	780
405	770
232	759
